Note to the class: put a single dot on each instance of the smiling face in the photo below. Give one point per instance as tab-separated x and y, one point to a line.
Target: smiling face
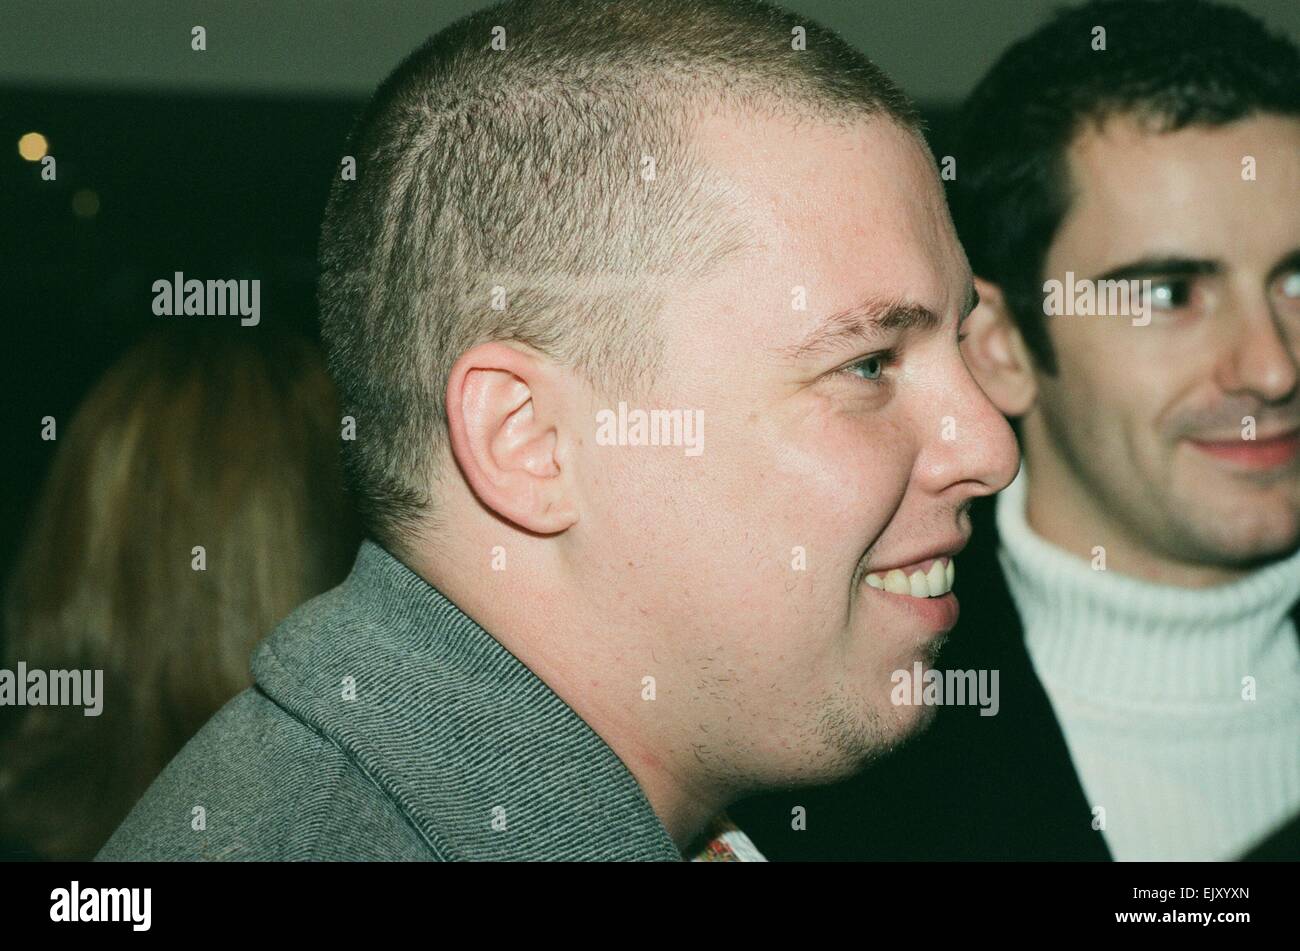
1140	435
841	440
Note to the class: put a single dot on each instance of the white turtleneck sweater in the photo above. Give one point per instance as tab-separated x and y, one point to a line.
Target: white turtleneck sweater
1147	683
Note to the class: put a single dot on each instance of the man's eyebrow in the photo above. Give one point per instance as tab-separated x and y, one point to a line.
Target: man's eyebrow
1161	267
865	321
1290	262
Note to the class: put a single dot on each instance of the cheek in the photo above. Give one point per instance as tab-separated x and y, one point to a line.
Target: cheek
1106	384
775	512
839	480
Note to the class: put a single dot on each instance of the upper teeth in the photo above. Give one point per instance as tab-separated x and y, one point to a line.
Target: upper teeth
919	584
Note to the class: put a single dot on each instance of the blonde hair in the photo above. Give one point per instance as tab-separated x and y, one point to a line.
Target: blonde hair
220	439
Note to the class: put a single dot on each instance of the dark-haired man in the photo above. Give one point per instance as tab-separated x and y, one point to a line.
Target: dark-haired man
647	319
1136	587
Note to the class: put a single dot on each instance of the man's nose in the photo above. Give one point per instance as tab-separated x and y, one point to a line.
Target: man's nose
974	452
1257	358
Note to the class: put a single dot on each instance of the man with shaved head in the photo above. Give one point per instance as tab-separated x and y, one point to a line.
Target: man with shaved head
646	317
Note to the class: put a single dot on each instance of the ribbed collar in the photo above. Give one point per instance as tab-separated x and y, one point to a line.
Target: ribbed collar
1106	636
482	756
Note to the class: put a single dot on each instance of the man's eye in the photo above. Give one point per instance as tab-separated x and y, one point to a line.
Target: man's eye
1290	285
870	368
1170	294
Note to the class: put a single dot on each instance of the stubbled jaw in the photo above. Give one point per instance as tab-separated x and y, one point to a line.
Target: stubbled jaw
928	579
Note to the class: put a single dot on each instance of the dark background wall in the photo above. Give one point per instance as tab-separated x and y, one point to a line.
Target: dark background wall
937	49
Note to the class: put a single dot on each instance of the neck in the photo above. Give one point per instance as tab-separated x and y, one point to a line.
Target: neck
683	801
594	663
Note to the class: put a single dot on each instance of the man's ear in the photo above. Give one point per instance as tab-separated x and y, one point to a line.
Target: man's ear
996	353
504	411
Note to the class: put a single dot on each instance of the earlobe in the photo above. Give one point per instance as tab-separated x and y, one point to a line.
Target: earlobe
996	354
505	433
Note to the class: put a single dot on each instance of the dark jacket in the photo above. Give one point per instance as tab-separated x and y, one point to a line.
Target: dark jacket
386	724
970	787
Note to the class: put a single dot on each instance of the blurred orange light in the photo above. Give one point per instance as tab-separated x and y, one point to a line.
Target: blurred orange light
33	147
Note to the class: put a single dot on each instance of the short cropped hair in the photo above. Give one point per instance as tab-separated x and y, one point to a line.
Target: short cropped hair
1169	63
503	191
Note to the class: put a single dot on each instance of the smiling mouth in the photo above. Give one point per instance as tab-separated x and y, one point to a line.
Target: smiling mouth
1266	453
931	579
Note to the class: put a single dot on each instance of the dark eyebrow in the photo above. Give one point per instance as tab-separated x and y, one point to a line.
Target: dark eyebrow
1289	263
1161	267
866	321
